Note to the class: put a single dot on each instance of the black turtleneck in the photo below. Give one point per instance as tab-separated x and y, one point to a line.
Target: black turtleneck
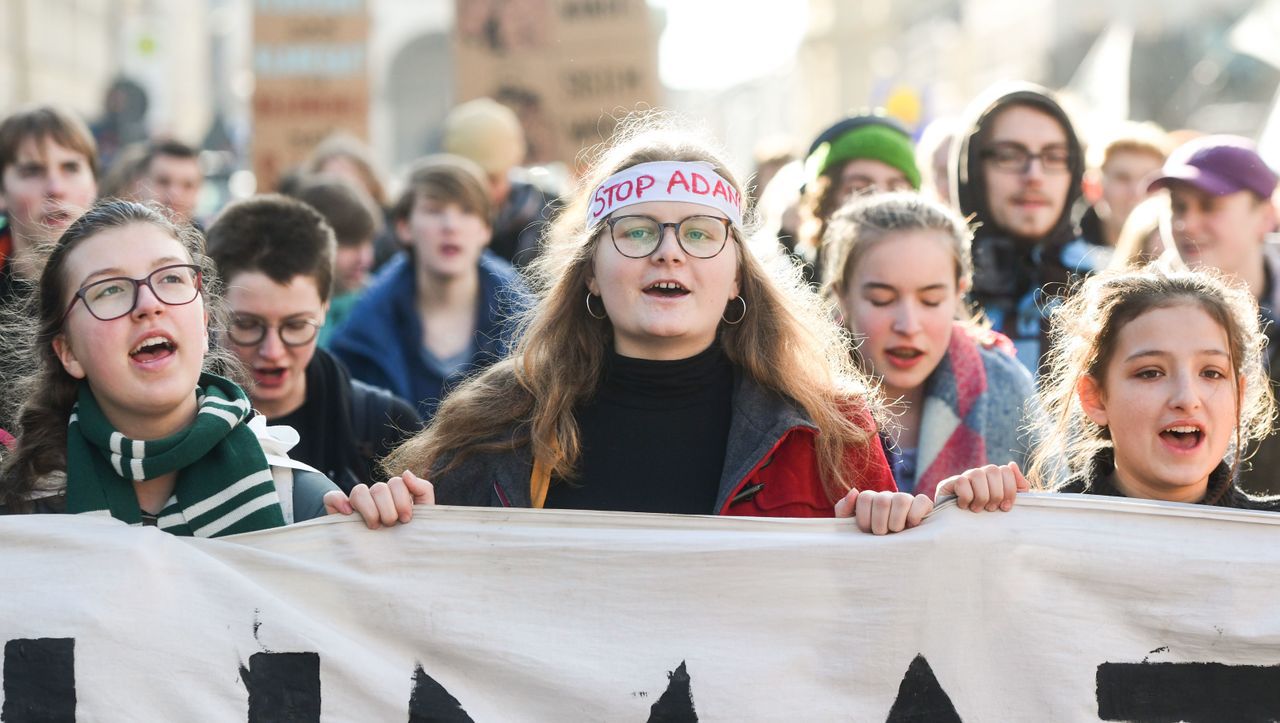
653	438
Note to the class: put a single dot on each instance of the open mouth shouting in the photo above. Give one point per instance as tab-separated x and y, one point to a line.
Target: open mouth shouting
1182	437
666	290
270	377
152	349
903	357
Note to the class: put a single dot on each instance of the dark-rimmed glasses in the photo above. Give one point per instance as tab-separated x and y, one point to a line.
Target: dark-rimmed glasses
636	237
117	296
1016	158
250	330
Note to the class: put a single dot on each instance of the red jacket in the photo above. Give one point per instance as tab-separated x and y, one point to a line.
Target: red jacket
770	468
786	482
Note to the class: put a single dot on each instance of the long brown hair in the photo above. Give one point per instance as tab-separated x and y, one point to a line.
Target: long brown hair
1085	330
47	390
787	341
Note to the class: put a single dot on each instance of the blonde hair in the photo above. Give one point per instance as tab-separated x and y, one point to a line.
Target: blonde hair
1130	137
866	221
1085	329
1150	216
787	341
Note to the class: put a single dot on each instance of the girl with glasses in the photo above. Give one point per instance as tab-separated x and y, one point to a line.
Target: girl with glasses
962	390
125	414
664	368
277	258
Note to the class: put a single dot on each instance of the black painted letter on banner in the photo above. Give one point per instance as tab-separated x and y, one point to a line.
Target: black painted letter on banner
283	687
39	680
1192	692
921	697
431	703
676	704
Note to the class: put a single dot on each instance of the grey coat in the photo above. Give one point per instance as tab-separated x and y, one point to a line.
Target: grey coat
761	421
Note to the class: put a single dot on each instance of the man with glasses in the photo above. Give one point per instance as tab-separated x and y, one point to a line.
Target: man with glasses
1019	167
276	256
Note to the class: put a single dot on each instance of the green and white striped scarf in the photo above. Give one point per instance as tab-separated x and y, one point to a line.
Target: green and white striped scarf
224	483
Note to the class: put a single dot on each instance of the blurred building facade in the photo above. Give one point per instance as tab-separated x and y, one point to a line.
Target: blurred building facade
57	44
183	67
1177	62
72	52
928	58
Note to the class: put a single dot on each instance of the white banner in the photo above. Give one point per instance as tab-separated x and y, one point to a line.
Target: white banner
1067	608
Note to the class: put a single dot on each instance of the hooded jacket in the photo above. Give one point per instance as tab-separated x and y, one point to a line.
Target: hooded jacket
770	467
1016	279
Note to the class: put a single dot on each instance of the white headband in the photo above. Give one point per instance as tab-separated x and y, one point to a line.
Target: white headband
688	181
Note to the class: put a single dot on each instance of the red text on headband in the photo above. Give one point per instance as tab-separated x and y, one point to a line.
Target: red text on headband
690	182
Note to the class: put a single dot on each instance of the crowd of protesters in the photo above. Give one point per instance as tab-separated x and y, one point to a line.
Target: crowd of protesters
884	323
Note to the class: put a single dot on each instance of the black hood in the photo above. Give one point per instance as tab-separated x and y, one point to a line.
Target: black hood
969	184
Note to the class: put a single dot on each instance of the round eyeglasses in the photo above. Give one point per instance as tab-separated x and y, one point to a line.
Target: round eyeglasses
250	330
117	296
1017	158
701	237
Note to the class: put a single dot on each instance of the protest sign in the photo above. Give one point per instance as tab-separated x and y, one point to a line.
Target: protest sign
568	68
311	79
1066	608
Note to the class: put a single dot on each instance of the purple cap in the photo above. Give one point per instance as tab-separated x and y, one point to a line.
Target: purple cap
1218	165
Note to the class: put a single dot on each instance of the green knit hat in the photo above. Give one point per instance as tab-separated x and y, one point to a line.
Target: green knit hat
871	137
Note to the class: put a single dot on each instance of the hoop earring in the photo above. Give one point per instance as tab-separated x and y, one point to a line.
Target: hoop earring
603	314
741	316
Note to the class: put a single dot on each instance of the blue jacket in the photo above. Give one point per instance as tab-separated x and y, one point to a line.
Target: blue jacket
973	410
381	340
